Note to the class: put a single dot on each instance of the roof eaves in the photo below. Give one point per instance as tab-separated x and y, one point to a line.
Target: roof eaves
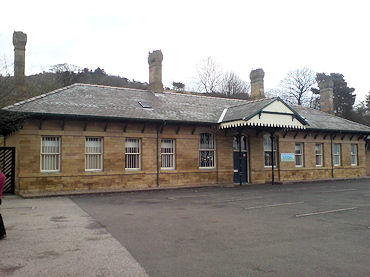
77	116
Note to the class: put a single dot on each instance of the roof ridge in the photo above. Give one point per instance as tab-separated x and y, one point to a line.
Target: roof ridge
105	86
254	101
40	96
204	96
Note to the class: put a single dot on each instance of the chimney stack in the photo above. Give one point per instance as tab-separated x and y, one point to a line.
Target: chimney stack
155	71
326	95
257	87
19	42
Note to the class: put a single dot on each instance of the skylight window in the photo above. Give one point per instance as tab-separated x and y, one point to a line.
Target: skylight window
145	105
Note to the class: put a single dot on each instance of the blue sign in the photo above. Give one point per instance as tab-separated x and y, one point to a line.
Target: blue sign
287	157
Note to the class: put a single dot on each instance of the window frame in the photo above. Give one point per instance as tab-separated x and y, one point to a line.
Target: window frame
274	151
138	154
300	155
171	155
321	155
101	154
210	149
354	154
57	154
339	154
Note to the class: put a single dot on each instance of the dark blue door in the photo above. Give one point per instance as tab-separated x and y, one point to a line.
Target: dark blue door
244	167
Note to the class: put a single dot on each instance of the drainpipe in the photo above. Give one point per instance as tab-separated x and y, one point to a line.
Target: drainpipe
240	156
272	158
158	155
331	152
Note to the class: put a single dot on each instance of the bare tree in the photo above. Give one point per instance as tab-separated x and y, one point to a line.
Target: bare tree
63	67
296	87
209	77
233	85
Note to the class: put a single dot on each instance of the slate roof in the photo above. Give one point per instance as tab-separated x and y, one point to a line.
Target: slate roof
245	109
123	103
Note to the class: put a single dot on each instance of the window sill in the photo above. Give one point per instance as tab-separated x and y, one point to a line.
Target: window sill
50	171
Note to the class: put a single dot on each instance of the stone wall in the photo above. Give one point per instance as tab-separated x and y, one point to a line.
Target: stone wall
368	161
73	177
287	171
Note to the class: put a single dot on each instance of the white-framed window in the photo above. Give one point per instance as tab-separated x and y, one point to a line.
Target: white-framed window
207	150
319	154
354	159
93	154
337	154
299	155
133	154
168	157
50	154
268	151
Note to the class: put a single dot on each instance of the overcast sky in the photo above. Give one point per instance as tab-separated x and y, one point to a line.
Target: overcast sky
278	36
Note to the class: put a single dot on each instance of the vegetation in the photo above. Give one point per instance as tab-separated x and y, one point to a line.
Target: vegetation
56	77
343	94
212	81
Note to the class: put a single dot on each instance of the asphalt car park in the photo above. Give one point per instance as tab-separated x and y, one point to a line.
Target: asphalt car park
307	229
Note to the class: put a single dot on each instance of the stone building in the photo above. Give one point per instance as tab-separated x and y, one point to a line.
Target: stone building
90	137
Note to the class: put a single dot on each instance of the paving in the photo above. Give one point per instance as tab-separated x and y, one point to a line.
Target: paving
308	229
54	237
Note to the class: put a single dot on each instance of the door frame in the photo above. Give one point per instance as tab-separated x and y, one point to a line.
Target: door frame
246	150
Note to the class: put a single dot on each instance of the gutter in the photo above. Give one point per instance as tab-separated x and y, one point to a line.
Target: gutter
331	152
81	117
157	156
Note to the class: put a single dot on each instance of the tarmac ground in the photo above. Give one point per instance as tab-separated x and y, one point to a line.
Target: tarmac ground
308	229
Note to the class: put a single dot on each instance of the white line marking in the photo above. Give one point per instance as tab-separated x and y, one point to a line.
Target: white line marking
326	212
273	205
338	190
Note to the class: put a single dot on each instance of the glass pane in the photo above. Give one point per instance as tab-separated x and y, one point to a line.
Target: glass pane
206	158
268	159
206	141
336	149
167	146
132	146
235	144
267	142
298	148
298	160
336	160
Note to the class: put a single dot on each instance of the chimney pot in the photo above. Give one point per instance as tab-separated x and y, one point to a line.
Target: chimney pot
155	70
326	95
19	42
257	84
